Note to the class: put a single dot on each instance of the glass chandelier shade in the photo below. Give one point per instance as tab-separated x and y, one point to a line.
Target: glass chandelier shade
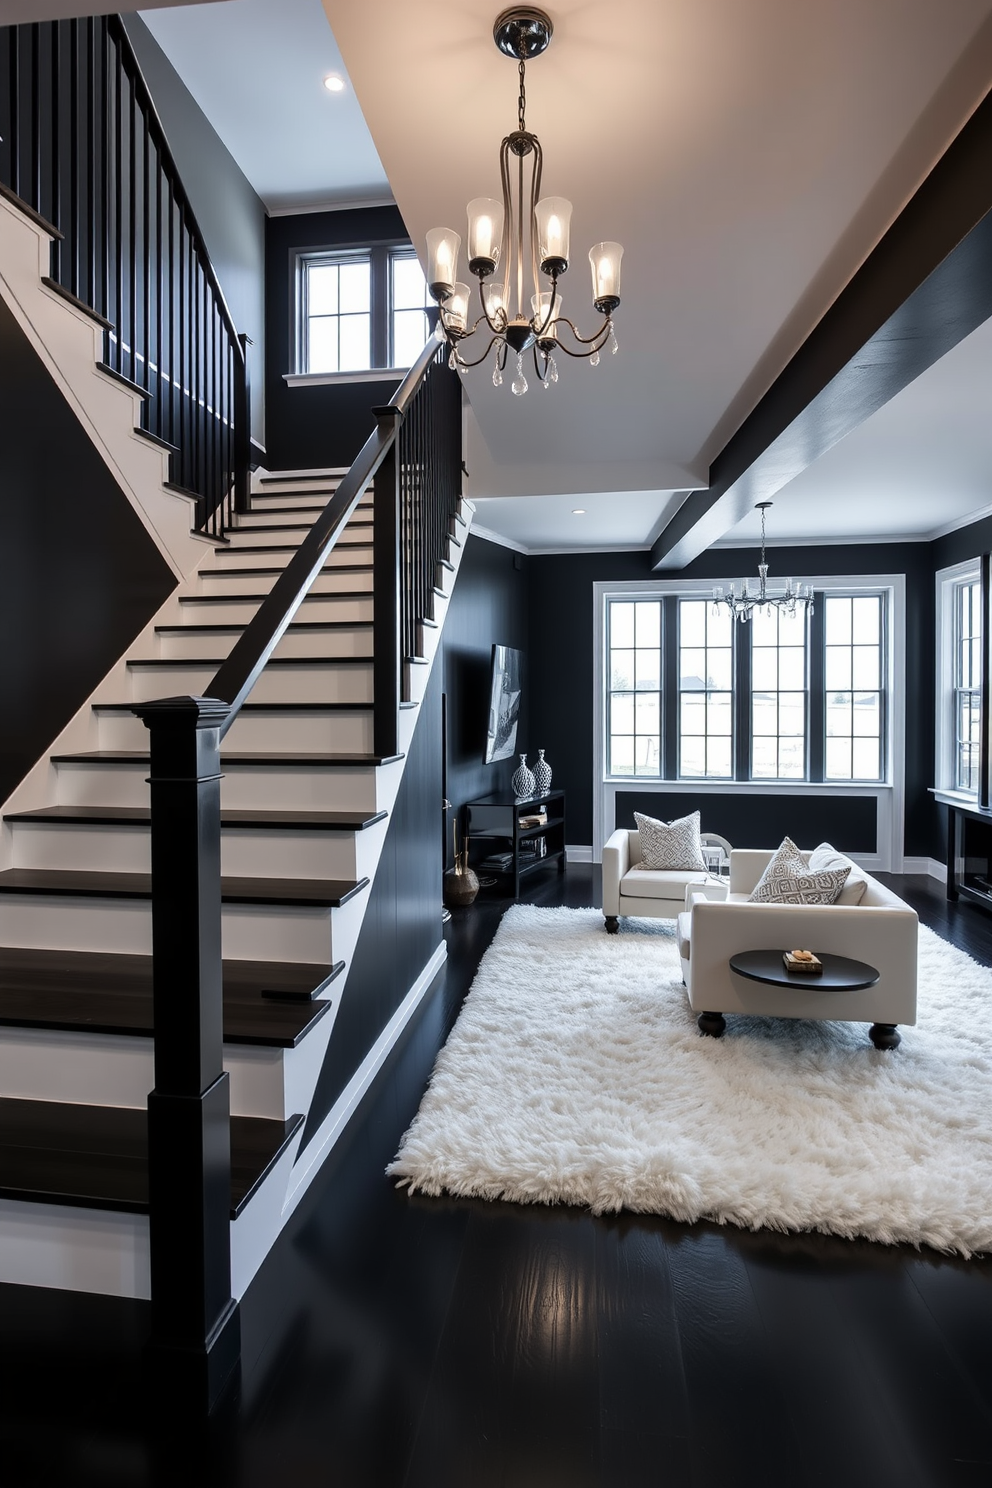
742	601
521	245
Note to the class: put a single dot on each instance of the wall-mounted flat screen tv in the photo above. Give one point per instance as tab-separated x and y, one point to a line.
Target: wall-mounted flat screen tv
504	703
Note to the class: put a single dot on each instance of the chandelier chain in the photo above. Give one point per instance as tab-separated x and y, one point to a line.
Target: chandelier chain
522	99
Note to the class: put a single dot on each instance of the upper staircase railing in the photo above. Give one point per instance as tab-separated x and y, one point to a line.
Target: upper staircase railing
83	146
414	459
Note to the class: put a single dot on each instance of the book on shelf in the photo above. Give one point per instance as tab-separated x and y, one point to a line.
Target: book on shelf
535	819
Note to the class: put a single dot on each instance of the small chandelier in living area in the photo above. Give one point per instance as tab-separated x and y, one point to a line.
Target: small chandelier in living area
743	600
520	244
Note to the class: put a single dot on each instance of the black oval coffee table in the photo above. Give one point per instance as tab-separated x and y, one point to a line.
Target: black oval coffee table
839	974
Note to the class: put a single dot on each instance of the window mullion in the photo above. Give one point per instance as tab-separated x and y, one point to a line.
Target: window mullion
816	725
379	291
742	701
670	687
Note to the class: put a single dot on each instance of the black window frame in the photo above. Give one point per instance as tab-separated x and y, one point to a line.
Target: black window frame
380	256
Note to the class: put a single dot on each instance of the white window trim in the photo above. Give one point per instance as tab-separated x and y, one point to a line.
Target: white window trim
890	794
947	581
335	379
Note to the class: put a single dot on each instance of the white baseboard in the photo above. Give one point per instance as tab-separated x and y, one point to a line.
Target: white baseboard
928	867
347	1103
578	853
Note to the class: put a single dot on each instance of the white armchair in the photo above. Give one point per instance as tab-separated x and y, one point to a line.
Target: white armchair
653	893
881	930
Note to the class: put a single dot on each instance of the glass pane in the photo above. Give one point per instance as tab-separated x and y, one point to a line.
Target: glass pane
648	622
322	289
719	669
621	625
837	668
354	286
837	619
839	713
764	628
865	760
647	712
865	620
719	628
791	759
764	758
355	342
322	350
791	713
622	713
792	629
838	759
621	670
792	668
764	713
693	713
409	286
718	761
647	757
764	669
621	755
865	673
648	669
692	622
693	756
720	714
692	669
976	664
410	332
867	714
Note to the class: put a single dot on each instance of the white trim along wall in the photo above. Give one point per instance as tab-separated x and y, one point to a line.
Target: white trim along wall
890	794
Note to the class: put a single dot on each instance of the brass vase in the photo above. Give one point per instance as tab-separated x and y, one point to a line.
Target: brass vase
460	885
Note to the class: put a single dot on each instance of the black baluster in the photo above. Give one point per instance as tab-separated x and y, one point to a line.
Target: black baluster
387	587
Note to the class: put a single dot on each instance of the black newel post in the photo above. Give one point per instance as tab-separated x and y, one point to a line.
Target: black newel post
195	1342
387	579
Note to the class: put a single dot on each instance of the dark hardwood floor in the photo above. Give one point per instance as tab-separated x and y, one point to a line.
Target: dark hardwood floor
392	1342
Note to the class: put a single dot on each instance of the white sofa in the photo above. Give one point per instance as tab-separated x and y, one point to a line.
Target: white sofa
718	923
654	894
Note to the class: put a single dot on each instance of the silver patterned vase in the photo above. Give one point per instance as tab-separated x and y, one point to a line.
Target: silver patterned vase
542	774
523	783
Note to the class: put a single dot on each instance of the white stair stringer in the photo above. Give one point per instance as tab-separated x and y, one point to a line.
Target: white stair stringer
55	1245
69	342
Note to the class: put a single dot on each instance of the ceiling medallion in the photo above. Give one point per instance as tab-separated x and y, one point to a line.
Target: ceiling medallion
742	603
523	236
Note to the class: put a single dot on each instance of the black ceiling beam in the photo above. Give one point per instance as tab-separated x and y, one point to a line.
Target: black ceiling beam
924	287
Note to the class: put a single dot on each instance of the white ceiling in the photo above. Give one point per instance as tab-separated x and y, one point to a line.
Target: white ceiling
748	153
256	68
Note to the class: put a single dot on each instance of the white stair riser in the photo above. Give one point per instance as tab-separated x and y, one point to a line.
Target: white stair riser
336	641
111	1070
245	852
291	530
292	788
249	931
268	556
340	732
327	683
329	581
238	612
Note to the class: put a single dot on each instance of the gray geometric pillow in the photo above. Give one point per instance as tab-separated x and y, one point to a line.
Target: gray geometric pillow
670	845
788	880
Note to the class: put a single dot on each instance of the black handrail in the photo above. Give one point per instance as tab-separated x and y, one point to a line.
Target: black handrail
84	147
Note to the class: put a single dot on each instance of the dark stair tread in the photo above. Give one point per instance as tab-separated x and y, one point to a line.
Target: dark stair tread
54	1152
297	627
241	572
140	816
272	1004
242	757
298	511
300	707
258	598
312	512
84	883
241	548
157	662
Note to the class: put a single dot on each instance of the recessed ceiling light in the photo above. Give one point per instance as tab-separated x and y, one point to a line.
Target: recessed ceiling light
333	83
578	511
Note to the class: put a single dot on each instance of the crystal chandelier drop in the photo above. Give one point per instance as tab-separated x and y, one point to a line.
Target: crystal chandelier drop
742	601
514	242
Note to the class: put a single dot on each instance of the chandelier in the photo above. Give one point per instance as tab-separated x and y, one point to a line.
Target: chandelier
741	603
514	242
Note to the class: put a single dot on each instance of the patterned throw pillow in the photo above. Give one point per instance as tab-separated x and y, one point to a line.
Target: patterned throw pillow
825	857
670	845
788	880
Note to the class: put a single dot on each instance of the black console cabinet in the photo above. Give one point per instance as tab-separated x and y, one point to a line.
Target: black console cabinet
493	827
969	851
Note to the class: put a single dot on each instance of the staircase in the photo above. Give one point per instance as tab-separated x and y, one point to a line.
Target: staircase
305	808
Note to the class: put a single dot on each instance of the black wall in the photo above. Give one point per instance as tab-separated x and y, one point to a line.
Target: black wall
79	575
310	428
561	668
231	216
402	925
488	606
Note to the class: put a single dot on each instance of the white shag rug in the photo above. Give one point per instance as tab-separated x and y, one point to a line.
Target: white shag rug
576	1074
